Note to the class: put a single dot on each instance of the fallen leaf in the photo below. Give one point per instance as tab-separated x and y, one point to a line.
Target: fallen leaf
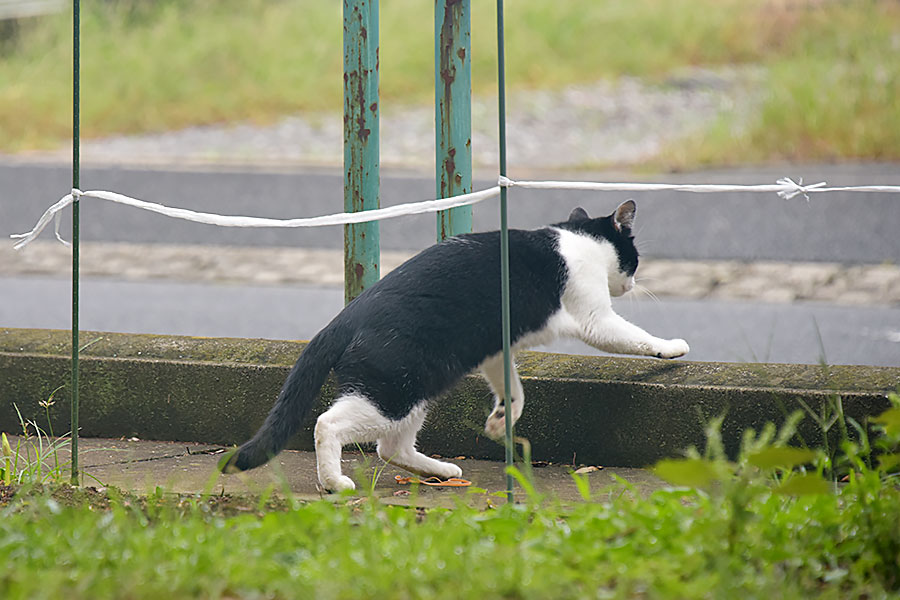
588	469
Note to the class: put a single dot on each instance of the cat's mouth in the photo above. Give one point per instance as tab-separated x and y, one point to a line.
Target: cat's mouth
623	288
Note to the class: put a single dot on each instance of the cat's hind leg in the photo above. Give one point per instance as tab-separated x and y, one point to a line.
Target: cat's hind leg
352	418
492	368
397	446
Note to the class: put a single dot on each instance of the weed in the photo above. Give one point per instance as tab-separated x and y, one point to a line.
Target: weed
370	471
35	458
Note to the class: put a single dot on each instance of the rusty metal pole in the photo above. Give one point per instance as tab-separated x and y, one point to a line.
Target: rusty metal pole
453	111
361	152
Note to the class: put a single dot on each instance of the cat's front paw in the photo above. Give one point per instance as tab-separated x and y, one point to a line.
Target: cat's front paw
495	427
673	349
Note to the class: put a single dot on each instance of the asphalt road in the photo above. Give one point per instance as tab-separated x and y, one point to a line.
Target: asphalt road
716	331
839	227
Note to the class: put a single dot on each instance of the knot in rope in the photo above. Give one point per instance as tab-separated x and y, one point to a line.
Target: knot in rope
796	188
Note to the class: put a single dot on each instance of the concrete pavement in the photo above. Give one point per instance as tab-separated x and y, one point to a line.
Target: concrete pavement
189	468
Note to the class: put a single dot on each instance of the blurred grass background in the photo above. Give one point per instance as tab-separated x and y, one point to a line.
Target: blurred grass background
830	68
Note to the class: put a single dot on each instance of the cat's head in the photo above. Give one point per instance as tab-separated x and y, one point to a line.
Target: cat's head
615	228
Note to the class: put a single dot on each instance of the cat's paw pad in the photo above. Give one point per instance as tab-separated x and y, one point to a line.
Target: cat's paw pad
495	427
673	349
338	484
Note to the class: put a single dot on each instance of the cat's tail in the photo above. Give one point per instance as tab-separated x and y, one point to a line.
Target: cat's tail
297	395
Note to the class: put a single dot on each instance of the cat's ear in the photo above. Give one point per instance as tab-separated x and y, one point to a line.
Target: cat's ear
579	214
623	218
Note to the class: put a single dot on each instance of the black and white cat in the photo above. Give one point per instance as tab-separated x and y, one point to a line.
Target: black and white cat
411	336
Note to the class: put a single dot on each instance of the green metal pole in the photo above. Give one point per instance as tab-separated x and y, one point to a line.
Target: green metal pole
361	152
76	224
504	250
453	111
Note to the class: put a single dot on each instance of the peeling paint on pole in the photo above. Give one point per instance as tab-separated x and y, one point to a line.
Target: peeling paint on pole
453	111
361	140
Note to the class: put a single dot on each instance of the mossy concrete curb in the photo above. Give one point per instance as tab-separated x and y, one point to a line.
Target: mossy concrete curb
611	411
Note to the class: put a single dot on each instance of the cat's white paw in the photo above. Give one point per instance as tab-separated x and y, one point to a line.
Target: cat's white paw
673	349
338	484
446	470
495	427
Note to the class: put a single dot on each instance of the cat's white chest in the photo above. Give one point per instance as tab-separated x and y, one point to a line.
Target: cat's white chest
589	263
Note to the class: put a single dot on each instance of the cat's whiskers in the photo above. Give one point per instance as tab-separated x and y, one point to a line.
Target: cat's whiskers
631	297
646	292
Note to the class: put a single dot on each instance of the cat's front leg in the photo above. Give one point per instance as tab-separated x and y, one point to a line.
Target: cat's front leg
495	426
612	333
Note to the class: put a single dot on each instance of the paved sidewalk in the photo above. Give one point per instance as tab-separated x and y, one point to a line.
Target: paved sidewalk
713	279
185	467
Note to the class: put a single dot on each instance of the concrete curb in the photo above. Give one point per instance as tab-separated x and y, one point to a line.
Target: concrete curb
610	411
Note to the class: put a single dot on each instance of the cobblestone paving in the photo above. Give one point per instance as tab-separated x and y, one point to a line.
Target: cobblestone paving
760	281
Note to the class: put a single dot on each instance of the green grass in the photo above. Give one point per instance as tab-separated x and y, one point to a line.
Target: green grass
768	525
832	71
675	544
831	96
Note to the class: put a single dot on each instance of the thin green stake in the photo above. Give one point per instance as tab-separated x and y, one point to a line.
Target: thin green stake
504	251
76	223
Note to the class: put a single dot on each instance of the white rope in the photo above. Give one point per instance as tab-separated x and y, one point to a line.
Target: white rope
785	188
239	221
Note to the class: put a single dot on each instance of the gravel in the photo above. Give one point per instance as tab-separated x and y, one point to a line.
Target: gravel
605	123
